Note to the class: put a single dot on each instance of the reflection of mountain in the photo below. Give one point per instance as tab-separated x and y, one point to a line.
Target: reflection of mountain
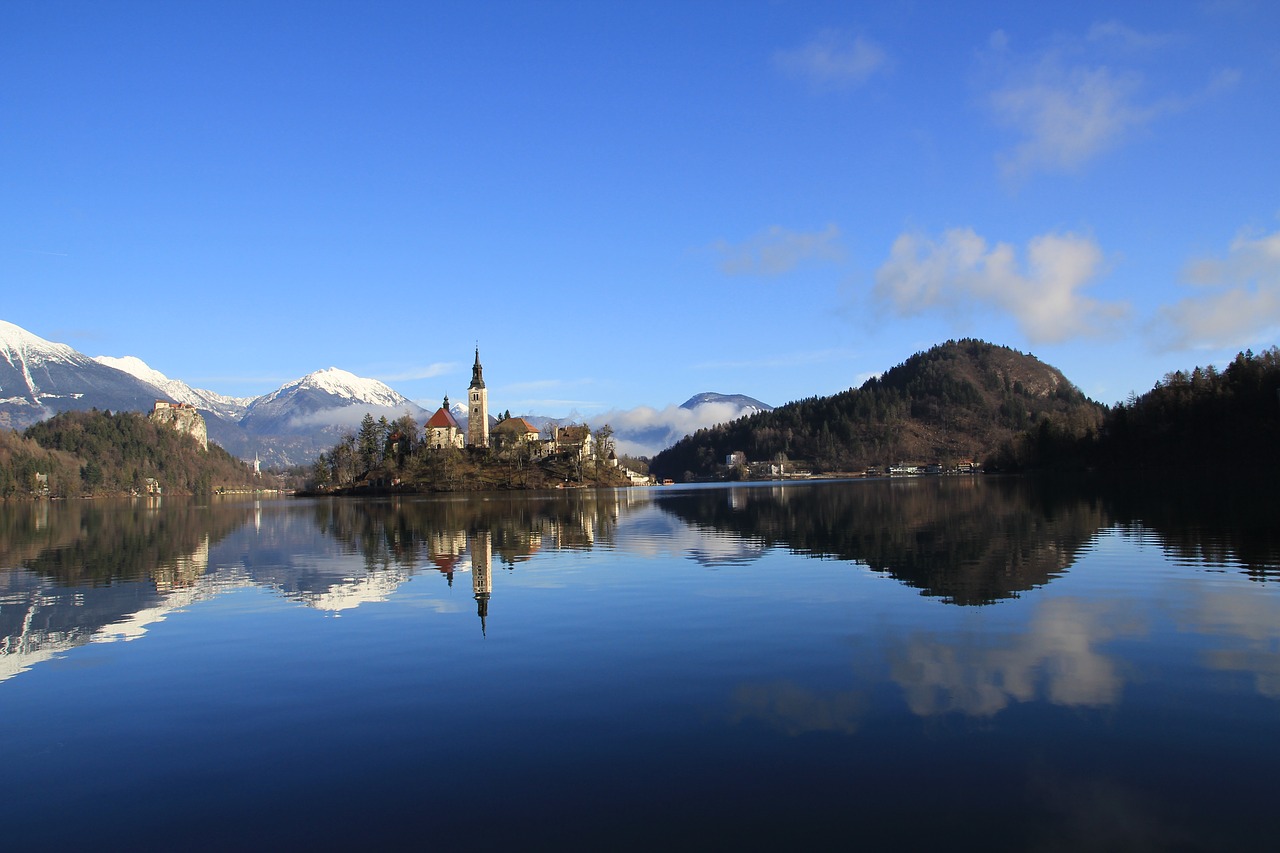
94	543
39	617
78	572
86	572
967	540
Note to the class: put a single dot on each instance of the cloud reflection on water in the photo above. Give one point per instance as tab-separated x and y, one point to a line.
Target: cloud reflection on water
1057	659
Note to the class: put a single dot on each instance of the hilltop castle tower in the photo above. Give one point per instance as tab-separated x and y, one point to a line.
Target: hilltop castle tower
478	409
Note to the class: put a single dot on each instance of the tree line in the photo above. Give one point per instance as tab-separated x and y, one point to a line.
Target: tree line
394	455
1204	420
75	454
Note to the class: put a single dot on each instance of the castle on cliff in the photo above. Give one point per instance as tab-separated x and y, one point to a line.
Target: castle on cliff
184	418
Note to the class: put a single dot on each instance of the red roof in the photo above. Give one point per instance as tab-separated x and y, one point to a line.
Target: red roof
442	419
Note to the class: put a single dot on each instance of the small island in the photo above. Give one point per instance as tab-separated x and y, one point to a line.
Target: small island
489	453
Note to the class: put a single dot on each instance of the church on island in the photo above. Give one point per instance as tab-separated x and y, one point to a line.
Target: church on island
443	430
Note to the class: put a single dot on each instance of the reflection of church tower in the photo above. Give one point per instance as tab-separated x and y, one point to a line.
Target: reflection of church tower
478	410
482	573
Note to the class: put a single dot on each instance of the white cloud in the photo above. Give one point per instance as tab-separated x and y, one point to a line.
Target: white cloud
1068	106
345	416
833	58
643	431
1066	116
1241	299
1043	295
778	250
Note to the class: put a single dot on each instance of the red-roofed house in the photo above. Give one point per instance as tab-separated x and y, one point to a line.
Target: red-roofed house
443	429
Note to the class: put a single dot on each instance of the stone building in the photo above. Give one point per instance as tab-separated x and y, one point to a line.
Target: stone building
478	407
184	418
510	432
443	429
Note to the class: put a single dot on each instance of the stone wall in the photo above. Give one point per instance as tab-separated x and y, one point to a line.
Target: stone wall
183	418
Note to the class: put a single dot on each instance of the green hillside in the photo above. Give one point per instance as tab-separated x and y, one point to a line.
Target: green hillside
962	400
100	453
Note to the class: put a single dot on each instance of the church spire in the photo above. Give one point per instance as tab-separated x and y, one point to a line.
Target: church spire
477	407
477	372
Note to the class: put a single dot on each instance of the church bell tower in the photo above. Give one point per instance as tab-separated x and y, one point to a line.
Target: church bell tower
478	408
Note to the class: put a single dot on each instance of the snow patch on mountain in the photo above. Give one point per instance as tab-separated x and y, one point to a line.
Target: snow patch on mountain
17	343
181	392
340	383
24	351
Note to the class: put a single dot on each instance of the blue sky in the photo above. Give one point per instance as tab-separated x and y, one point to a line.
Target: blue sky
628	203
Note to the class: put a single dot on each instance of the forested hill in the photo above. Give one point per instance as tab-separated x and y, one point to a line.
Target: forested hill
961	400
100	453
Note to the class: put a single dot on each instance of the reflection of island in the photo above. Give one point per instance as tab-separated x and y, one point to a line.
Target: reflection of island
85	572
89	571
966	540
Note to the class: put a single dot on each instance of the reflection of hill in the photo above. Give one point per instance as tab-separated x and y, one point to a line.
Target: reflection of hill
91	543
1202	521
967	540
91	572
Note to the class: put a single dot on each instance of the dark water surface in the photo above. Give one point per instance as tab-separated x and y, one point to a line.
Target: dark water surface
926	663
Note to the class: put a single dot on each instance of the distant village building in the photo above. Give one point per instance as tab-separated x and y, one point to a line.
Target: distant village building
184	418
443	429
478	407
636	478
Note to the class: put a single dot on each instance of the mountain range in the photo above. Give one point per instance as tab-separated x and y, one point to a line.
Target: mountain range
290	425
39	378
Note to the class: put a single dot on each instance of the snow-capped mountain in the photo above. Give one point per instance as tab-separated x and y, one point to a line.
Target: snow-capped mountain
291	424
232	408
330	399
40	377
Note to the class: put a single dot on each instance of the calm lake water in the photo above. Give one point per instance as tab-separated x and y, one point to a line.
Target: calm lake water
931	662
